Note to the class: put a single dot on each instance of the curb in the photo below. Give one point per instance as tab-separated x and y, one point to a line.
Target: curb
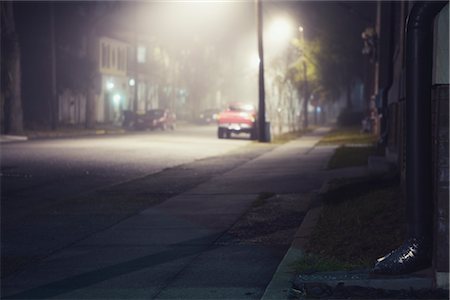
58	135
281	283
12	138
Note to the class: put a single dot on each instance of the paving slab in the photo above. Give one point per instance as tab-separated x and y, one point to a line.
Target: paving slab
78	271
214	273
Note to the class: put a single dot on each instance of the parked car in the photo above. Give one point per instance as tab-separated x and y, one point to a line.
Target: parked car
208	116
156	119
237	118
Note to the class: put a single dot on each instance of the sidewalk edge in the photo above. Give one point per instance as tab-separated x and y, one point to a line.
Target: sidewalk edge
281	283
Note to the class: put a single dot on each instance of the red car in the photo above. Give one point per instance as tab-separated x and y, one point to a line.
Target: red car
237	118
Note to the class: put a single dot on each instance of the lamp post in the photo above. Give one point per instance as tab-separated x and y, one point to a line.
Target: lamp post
262	134
136	63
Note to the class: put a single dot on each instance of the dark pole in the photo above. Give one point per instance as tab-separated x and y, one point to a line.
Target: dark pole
53	100
136	63
261	104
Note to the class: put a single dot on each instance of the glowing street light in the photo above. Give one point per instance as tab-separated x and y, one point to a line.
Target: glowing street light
281	30
132	82
109	85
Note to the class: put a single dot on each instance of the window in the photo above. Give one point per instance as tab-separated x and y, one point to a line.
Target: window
141	54
121	58
113	54
104	55
108	59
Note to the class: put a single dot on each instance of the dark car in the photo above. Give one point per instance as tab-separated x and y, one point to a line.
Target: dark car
156	119
208	116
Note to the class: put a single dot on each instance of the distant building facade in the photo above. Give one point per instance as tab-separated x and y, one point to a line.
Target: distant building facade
114	93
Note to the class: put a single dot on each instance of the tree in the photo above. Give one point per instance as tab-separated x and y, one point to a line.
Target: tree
334	45
11	99
333	65
304	71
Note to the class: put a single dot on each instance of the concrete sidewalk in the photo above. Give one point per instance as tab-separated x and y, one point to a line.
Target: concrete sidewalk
180	248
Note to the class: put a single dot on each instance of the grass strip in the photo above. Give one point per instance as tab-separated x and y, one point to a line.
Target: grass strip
310	263
346	136
345	156
287	137
357	230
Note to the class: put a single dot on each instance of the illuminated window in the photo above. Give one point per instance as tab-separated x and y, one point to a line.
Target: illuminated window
113	60
119	58
141	54
108	58
104	55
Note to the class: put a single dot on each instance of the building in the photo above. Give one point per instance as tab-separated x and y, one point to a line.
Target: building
412	84
112	63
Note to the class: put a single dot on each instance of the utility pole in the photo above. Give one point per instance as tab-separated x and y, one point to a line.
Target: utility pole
136	63
262	134
306	96
53	102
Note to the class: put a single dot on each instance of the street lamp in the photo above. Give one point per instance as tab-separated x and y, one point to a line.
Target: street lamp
263	135
109	85
280	30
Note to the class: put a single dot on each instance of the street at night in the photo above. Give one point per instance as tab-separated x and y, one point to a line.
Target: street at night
253	149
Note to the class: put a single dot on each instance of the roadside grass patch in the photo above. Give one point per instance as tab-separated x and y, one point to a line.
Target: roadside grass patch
289	136
354	148
357	226
348	136
310	263
345	156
